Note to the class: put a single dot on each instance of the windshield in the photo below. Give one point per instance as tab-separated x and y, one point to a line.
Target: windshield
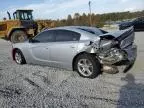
26	15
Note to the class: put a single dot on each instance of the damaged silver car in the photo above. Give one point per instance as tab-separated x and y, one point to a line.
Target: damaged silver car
87	50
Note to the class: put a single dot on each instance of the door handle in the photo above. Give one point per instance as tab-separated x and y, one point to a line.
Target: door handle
46	48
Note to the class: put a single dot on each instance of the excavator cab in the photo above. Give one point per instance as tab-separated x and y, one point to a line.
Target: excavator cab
23	15
20	26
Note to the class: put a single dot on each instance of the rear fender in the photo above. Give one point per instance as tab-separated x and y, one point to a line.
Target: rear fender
91	46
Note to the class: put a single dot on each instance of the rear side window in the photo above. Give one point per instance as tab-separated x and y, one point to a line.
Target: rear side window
93	31
66	35
87	30
46	36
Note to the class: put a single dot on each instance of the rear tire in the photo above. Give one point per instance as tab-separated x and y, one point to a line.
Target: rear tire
87	66
19	58
18	36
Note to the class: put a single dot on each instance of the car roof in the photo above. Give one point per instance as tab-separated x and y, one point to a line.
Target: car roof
80	29
75	27
85	34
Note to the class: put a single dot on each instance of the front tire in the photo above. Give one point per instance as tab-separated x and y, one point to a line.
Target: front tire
87	66
19	58
18	36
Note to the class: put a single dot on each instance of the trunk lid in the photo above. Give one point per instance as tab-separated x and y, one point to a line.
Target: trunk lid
124	37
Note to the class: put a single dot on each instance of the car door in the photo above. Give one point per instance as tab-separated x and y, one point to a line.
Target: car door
39	47
64	49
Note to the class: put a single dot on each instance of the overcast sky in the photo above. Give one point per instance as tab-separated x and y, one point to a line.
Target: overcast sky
58	9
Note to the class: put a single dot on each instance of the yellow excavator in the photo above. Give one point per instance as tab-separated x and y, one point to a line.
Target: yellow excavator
21	26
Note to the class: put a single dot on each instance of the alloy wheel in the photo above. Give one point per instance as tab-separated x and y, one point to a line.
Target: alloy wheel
85	67
18	58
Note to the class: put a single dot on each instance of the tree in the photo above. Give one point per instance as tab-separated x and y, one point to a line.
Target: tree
69	20
97	19
76	18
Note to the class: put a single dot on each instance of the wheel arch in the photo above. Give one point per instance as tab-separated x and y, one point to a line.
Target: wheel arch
22	56
75	57
13	52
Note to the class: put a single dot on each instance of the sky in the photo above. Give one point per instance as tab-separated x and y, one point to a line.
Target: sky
59	9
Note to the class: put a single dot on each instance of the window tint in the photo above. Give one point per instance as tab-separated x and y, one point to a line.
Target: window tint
46	36
139	20
87	30
65	35
93	31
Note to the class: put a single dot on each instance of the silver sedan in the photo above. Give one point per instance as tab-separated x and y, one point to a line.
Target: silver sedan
87	50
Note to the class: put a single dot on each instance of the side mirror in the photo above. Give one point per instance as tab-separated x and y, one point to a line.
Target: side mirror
33	41
30	40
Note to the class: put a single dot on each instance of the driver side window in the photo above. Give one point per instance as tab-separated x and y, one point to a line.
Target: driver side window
46	36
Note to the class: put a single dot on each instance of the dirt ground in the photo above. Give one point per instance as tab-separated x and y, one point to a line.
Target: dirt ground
32	86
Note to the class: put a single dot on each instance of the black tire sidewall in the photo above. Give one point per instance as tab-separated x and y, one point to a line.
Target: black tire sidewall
95	62
21	32
22	57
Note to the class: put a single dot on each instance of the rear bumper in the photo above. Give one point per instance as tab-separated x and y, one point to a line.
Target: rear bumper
117	56
131	53
122	57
